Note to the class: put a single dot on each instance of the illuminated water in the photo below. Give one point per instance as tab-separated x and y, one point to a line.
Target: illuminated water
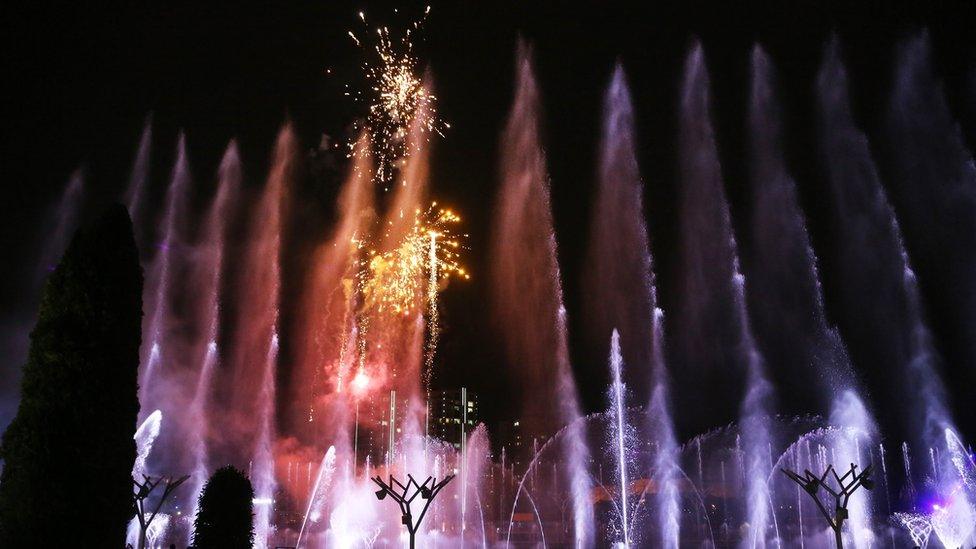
312	403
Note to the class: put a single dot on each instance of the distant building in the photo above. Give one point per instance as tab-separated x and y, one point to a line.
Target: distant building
451	414
380	419
510	437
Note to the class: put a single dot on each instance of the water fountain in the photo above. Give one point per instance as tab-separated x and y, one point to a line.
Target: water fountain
64	219
528	290
315	403
788	298
621	294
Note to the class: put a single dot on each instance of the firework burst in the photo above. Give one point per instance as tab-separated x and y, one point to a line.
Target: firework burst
396	97
402	280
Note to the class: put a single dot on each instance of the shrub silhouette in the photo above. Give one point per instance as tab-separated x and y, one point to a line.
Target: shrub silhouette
69	451
225	519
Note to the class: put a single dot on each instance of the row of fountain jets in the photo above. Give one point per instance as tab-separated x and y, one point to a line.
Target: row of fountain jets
871	255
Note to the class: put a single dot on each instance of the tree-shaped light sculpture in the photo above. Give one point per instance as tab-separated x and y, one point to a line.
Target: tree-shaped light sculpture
404	494
841	492
142	492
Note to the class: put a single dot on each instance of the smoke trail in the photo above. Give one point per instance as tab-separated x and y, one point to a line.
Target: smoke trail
789	298
527	289
620	291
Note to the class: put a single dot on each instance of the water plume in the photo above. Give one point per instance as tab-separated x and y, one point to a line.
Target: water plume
704	316
401	337
327	360
932	180
620	290
528	291
254	347
317	498
882	303
711	251
209	264
619	275
161	280
136	192
666	466
787	295
620	437
64	219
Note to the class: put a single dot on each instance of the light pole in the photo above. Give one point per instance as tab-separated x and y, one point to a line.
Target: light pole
404	494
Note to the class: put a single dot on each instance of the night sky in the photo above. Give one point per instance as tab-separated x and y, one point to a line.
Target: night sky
81	79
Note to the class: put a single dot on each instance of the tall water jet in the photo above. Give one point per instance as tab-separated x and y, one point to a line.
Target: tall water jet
620	289
662	430
136	192
401	336
316	499
754	424
787	299
711	252
527	291
326	365
932	180
882	304
64	218
207	276
145	439
255	344
704	315
618	275
161	280
620	443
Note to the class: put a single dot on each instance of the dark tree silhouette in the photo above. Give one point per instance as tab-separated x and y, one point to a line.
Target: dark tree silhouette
69	451
225	518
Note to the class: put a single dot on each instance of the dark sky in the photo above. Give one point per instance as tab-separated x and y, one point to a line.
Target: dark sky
80	80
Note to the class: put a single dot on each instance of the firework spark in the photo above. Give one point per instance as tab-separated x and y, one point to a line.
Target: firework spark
396	96
399	282
429	252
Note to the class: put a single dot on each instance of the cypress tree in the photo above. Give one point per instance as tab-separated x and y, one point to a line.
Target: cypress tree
225	519
68	453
